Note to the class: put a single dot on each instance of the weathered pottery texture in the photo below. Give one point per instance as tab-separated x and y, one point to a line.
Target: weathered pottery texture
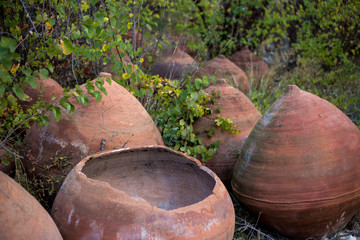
235	105
299	168
21	215
143	193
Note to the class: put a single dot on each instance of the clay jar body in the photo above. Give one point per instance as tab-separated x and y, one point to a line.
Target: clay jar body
235	105
221	67
118	118
254	66
143	193
299	168
45	90
174	64
21	215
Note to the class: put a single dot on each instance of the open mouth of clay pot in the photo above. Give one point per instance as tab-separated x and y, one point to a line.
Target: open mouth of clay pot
162	178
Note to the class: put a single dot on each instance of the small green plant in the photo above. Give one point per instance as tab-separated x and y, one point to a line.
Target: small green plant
174	105
226	124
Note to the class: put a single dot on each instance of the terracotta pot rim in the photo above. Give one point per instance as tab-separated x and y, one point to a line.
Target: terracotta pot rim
218	188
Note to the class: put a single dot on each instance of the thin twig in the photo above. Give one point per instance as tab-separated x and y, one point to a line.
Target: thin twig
28	15
8	150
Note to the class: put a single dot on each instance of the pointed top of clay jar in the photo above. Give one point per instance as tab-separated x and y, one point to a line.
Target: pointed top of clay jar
292	89
222	82
105	74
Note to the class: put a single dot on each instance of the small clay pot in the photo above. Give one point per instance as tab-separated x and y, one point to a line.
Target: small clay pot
22	216
235	105
254	66
174	64
299	168
117	120
221	67
143	193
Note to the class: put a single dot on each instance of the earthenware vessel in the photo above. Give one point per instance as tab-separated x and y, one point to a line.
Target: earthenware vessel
299	168
143	193
221	67
236	106
255	68
118	120
21	215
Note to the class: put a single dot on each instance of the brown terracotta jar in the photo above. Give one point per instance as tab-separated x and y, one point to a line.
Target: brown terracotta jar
118	118
221	67
21	215
254	66
299	168
143	193
235	105
174	64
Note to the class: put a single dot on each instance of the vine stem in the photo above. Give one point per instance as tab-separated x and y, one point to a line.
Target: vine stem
28	15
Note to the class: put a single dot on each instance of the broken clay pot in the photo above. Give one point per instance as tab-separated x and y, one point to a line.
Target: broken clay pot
143	193
299	168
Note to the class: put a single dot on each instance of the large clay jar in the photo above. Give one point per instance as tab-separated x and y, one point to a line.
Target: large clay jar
235	105
221	67
21	215
254	66
174	64
299	168
117	120
143	193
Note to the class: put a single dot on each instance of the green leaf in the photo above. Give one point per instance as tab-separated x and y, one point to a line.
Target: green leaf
5	161
108	80
68	106
148	27
19	92
83	99
2	89
66	45
57	113
98	96
8	43
43	120
31	80
44	72
198	83
99	17
11	100
75	35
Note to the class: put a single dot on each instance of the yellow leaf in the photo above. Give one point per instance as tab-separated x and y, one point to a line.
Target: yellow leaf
141	60
103	49
14	68
48	28
131	15
129	25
